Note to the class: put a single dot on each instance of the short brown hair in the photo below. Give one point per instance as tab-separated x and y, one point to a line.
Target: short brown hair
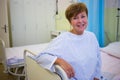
75	9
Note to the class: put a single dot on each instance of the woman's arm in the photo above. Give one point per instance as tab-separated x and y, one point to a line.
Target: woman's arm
66	67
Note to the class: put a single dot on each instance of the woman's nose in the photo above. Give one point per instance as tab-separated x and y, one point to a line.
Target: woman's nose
79	20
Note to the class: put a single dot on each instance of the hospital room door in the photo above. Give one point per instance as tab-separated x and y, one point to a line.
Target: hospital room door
4	28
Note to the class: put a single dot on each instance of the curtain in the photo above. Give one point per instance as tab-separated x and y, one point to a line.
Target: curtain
96	18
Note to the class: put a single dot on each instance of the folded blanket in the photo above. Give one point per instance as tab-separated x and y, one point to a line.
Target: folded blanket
14	60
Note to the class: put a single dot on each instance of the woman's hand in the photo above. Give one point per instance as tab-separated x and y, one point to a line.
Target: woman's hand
96	79
66	67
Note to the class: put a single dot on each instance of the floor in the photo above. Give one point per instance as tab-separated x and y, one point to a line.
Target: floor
5	76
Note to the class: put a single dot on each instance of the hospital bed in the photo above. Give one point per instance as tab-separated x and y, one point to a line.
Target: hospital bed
22	56
110	58
10	67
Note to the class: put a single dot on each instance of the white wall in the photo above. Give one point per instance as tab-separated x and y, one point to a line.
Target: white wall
32	21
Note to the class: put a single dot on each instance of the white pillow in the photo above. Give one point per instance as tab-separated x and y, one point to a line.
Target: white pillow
112	49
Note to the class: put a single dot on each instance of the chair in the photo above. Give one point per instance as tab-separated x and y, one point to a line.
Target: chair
36	72
16	69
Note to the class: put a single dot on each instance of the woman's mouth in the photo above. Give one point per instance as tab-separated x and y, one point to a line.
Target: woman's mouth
81	25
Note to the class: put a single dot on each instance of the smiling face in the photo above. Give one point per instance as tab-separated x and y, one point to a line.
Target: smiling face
79	23
77	14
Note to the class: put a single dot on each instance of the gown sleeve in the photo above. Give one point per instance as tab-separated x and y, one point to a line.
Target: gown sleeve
98	66
48	57
46	60
99	62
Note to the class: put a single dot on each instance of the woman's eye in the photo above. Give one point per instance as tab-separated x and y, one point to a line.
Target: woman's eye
75	18
82	16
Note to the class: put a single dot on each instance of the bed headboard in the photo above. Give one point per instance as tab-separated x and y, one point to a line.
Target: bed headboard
1	48
35	72
2	54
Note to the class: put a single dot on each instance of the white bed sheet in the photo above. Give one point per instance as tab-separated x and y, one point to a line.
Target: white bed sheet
110	55
110	63
110	66
18	52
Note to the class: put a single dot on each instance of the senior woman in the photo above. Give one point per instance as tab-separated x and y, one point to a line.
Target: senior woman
77	50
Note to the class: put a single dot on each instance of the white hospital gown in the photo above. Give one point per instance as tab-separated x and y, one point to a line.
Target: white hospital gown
81	51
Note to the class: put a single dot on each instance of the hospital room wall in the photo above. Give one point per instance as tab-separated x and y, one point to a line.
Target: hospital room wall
110	19
110	25
61	22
